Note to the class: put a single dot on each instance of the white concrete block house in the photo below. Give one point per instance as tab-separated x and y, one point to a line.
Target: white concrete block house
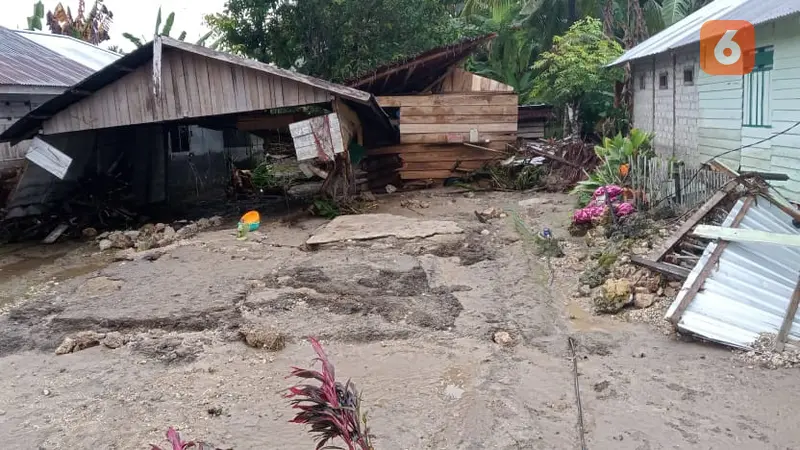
696	116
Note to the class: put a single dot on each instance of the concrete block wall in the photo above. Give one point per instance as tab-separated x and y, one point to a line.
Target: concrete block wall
672	112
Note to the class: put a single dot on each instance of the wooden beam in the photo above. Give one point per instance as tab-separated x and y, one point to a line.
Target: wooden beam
669	270
752	236
788	319
687	226
794	213
716	254
491	99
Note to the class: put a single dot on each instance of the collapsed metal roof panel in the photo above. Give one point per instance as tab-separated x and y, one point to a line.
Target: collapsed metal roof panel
24	62
749	290
687	31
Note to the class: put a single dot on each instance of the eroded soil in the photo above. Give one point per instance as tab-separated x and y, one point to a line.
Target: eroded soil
410	321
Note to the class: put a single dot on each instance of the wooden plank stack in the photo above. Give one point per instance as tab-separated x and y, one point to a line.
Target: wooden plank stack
469	122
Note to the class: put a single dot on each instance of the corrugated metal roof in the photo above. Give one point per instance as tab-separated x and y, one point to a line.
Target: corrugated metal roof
83	53
26	63
29	125
748	293
687	31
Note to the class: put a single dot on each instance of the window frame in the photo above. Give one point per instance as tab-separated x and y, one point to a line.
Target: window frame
688	70
665	77
756	97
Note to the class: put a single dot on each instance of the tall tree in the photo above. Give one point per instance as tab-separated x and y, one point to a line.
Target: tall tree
337	39
92	27
35	20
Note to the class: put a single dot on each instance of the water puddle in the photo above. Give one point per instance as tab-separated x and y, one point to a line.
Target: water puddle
582	320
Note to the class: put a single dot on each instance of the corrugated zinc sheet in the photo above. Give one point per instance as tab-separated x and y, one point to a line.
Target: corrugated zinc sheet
747	294
687	31
83	53
24	62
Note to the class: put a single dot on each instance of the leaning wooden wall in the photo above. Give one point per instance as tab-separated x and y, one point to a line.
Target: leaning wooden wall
192	86
485	118
459	80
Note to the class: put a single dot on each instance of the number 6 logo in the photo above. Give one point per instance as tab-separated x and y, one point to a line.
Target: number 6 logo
727	47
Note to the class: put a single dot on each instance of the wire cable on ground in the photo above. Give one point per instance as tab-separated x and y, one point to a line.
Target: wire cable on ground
581	430
771	137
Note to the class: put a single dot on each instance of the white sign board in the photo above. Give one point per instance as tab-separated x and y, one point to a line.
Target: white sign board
49	158
318	137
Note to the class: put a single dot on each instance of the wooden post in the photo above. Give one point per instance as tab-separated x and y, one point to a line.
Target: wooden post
716	254
788	319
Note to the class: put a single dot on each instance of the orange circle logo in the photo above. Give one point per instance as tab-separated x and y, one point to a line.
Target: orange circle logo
727	47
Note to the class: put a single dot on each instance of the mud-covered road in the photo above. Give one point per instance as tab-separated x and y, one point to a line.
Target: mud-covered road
409	321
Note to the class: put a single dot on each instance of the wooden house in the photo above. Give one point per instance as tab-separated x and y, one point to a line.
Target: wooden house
451	121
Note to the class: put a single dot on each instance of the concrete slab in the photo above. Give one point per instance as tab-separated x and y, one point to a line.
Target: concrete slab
375	226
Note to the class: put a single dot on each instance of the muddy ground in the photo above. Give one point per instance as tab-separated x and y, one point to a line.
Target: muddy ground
410	321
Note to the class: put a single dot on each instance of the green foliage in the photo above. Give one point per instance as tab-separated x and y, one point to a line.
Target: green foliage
615	153
574	71
35	21
327	208
162	31
336	40
264	177
517	178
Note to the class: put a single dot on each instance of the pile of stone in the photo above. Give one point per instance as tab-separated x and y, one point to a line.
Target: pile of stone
763	354
151	235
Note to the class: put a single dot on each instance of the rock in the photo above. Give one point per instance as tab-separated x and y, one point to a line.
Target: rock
203	224
390	189
46	392
160	227
503	338
114	340
103	235
265	338
81	341
643	301
485	232
675	285
147	229
105	244
133	234
536	201
89	232
670	292
616	293
491	213
469	194
187	231
367	196
215	221
66	346
120	240
147	243
584	290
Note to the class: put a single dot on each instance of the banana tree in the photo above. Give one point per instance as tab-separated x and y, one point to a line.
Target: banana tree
164	31
35	21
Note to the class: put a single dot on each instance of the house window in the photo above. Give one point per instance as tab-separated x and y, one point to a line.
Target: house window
756	105
663	80
688	76
642	85
179	139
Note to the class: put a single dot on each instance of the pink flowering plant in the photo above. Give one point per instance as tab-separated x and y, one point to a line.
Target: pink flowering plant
602	198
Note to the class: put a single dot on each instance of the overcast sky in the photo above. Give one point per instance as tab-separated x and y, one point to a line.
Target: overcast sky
137	17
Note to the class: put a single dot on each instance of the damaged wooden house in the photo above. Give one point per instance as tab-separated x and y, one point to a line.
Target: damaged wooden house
170	122
451	121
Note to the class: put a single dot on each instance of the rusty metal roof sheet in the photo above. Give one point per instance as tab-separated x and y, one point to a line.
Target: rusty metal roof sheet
413	74
23	62
687	30
749	290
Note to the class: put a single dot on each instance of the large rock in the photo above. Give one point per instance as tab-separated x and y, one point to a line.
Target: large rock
615	295
81	341
374	226
188	231
105	244
266	338
644	301
120	240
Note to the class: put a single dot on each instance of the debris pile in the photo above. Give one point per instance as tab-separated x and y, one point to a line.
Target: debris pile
151	235
567	159
763	354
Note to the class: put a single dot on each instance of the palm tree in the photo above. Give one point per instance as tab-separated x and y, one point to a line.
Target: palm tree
674	10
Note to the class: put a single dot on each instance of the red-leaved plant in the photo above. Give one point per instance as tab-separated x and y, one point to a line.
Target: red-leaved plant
332	409
177	444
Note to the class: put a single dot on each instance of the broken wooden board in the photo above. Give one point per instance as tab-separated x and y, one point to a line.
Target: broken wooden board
374	226
49	158
669	270
318	137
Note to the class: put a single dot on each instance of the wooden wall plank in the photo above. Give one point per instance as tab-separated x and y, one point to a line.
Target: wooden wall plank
438	138
457	128
179	81
507	99
240	90
461	110
167	89
251	90
191	77
203	86
488	118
